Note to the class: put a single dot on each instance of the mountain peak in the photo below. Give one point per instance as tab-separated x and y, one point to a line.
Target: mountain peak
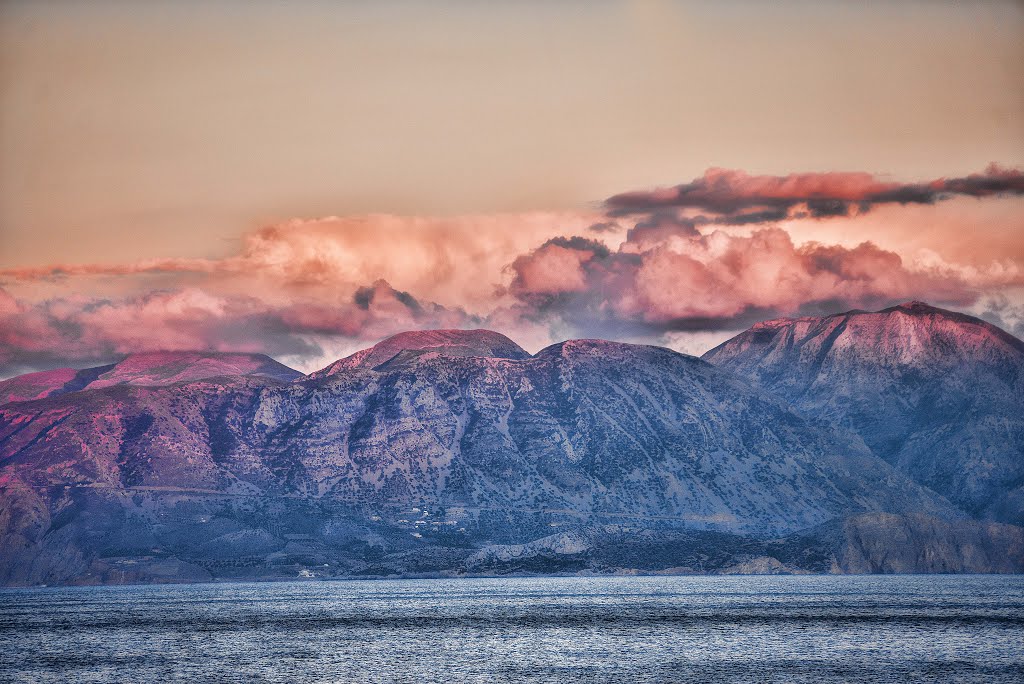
168	367
934	392
151	368
912	332
600	348
495	344
448	342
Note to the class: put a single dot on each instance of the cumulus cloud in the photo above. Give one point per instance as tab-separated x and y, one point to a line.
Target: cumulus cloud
683	280
291	290
78	330
556	266
682	266
443	259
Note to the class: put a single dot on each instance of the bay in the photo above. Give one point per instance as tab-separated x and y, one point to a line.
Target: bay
922	628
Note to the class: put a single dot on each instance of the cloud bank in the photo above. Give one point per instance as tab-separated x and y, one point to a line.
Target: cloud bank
682	266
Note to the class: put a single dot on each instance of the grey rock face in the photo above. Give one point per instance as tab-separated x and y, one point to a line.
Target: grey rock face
886	543
937	394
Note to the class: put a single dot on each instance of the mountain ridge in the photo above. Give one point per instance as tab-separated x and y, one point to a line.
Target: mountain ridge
938	394
450	342
426	454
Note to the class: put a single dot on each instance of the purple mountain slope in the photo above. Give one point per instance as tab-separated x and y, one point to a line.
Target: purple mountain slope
434	457
938	394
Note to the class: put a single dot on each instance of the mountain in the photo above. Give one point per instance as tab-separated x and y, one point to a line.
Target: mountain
434	459
938	394
39	385
482	343
148	368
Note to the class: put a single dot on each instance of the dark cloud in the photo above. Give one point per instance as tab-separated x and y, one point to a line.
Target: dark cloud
743	218
661	225
299	289
364	297
734	197
598	249
823	208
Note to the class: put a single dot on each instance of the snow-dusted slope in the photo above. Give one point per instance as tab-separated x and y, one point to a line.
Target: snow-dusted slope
938	394
147	368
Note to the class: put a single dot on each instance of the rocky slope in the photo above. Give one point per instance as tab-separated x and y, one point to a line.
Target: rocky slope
885	543
938	394
144	369
869	543
434	455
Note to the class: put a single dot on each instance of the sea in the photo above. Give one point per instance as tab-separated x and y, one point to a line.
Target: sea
558	630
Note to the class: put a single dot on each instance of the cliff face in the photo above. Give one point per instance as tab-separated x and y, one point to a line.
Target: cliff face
937	394
417	458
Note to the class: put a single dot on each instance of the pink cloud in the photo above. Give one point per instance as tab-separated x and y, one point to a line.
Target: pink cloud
306	289
59	331
551	269
683	280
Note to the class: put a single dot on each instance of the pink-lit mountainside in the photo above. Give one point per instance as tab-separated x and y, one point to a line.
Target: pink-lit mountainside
148	368
863	442
937	394
483	343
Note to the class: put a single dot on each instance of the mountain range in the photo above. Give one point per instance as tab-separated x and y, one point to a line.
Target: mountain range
863	442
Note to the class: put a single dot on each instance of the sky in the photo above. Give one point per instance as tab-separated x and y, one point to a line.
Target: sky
302	179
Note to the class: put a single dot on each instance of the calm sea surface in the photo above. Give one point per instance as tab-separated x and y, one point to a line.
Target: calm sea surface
636	629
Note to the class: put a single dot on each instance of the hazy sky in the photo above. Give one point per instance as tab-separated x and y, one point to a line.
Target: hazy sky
135	131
